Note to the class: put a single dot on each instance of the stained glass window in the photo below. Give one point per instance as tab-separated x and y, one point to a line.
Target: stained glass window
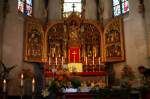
120	7
70	6
25	6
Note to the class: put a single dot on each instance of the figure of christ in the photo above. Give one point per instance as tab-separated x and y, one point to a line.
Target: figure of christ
34	45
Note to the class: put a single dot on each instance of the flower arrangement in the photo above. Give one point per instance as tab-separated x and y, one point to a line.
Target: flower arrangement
61	79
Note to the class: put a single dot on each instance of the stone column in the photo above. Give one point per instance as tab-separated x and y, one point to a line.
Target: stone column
147	22
1	27
39	9
107	10
54	9
12	47
91	9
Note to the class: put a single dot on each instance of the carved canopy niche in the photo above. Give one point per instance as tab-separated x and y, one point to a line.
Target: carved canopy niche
74	40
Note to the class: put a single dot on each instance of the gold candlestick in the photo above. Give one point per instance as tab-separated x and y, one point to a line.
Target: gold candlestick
93	60
56	60
49	60
62	60
86	60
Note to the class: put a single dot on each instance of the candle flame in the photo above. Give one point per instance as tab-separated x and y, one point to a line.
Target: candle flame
22	76
4	81
33	81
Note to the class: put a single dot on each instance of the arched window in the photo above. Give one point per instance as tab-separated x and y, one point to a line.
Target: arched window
70	6
25	7
120	7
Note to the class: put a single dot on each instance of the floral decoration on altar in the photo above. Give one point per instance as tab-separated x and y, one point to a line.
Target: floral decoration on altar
61	79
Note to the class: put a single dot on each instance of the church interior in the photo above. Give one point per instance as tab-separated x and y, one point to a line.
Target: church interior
74	49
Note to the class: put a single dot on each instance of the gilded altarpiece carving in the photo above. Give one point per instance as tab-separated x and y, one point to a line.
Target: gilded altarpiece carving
74	40
114	41
33	41
77	41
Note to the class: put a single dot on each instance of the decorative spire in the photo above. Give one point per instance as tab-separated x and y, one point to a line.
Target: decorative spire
73	6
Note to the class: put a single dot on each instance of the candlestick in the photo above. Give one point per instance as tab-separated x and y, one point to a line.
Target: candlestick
33	85
93	60
4	85
99	60
21	80
86	60
56	60
49	60
62	60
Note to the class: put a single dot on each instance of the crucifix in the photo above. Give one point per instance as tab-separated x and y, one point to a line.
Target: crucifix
74	55
73	6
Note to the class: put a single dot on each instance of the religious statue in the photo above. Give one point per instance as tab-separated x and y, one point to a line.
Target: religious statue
5	70
89	51
94	51
64	51
83	52
34	41
74	31
53	51
74	35
58	50
113	51
117	36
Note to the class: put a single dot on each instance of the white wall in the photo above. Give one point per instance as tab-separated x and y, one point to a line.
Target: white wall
12	49
135	39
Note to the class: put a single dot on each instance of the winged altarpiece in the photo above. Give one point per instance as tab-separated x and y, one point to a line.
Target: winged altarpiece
74	40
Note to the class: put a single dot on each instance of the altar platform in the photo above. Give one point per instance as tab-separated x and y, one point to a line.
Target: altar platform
113	95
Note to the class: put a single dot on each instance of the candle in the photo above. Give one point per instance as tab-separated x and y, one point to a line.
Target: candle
56	60
4	85
62	60
86	60
93	60
99	60
33	85
21	80
49	60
